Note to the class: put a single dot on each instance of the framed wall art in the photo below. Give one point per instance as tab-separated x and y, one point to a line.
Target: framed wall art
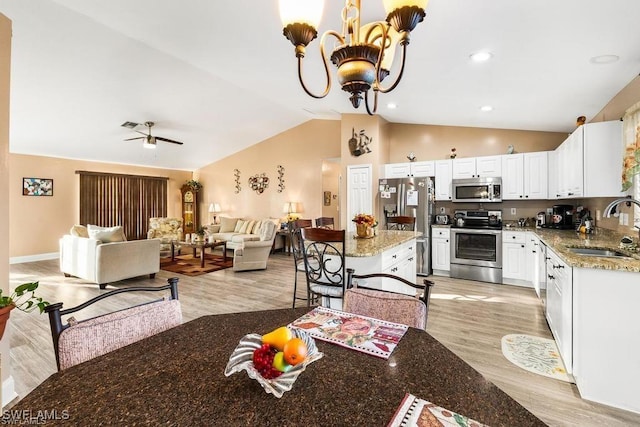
327	198
37	187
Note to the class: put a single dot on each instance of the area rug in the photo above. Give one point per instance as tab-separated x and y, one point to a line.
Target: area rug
535	354
190	266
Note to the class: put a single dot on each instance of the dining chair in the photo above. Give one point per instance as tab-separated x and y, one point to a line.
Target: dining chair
80	340
296	250
324	261
325	222
359	298
401	223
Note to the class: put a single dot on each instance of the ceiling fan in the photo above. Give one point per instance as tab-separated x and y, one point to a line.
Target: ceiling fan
149	140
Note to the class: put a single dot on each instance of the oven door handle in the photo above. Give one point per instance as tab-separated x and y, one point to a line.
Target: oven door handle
476	231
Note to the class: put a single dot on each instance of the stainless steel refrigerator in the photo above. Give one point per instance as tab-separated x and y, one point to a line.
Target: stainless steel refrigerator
410	197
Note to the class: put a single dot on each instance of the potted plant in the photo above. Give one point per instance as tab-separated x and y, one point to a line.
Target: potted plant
200	232
23	298
194	185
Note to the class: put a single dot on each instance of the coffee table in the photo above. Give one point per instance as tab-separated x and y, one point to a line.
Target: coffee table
202	246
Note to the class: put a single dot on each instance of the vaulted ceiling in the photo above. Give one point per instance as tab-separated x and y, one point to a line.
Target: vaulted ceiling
219	75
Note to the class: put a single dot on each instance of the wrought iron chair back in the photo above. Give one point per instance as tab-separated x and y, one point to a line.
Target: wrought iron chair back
323	252
296	250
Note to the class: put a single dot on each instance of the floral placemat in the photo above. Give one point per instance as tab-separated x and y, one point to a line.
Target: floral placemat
366	334
414	411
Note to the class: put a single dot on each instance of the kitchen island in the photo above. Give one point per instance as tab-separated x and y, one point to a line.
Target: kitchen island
594	310
389	251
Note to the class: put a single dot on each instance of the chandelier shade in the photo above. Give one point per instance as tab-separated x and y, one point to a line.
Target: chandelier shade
363	54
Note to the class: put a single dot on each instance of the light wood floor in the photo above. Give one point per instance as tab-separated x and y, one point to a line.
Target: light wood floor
468	317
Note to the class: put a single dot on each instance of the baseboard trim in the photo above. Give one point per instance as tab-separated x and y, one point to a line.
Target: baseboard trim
32	258
8	391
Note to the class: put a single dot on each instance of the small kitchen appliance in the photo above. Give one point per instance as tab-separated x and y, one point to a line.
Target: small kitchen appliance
442	219
541	220
561	217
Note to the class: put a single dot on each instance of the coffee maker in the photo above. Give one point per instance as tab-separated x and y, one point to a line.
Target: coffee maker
561	217
541	220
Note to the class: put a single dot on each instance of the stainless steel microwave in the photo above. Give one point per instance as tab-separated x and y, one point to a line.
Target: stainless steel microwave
478	190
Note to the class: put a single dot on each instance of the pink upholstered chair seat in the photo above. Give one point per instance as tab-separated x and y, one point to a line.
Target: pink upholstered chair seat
388	306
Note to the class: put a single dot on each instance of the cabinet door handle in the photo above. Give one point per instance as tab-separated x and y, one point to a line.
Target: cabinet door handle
513	237
521	196
533	252
550	276
394	269
447	241
522	246
394	256
547	258
559	266
558	195
410	259
527	196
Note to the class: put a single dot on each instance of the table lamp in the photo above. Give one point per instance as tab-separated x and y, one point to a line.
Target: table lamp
214	208
291	209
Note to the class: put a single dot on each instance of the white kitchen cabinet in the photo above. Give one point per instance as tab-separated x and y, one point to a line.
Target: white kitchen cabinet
404	170
514	256
472	167
440	253
524	176
399	260
588	163
559	309
443	179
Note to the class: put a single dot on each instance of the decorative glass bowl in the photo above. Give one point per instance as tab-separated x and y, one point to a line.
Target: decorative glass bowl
242	359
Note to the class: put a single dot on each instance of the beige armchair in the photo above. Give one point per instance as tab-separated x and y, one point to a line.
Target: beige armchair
253	254
167	230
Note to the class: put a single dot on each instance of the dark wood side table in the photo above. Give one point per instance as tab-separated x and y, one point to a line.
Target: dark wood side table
286	240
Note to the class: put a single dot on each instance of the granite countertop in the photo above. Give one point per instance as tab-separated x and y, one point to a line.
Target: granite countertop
384	239
561	240
177	378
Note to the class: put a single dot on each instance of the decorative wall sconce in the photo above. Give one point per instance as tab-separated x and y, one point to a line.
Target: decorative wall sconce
259	183
236	173
280	170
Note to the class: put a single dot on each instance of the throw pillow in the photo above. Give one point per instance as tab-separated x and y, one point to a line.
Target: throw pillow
241	223
256	227
249	228
106	234
267	230
79	231
227	225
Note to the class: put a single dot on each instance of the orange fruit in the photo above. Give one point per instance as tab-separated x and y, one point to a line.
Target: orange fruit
295	351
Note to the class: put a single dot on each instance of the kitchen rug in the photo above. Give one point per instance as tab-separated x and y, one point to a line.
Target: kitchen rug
535	354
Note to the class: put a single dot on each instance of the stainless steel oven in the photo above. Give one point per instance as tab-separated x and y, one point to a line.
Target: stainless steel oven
476	246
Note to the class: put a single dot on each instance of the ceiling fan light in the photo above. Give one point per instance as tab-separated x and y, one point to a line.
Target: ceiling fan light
301	12
150	142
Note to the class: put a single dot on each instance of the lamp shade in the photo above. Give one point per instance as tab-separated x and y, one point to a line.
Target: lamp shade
391	5
216	208
211	208
286	208
301	11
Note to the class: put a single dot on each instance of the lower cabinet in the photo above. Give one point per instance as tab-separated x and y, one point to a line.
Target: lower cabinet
559	308
440	251
398	261
514	256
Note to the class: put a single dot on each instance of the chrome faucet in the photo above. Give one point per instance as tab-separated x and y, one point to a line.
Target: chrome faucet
611	207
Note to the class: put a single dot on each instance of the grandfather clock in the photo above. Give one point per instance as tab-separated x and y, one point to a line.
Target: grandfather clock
189	209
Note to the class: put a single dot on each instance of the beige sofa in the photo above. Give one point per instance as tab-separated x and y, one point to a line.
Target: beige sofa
236	231
106	257
254	254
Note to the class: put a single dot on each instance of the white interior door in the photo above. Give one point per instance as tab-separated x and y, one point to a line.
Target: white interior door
359	192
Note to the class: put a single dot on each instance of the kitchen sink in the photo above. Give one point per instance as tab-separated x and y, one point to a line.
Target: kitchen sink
607	253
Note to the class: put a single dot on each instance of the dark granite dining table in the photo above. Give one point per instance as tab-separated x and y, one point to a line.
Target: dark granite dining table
177	378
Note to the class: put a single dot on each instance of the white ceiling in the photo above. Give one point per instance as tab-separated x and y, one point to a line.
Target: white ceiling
219	75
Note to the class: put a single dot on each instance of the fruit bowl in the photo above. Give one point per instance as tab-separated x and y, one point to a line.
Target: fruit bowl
242	359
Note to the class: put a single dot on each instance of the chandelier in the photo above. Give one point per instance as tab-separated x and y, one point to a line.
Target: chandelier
363	54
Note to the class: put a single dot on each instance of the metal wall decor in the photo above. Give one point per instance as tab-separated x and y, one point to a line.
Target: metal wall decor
358	144
236	173
280	170
259	183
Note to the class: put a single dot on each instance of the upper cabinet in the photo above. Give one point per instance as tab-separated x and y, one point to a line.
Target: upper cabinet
443	179
589	162
524	176
472	167
415	169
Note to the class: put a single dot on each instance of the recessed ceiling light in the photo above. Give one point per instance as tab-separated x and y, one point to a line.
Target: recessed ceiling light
486	108
604	59
392	106
480	56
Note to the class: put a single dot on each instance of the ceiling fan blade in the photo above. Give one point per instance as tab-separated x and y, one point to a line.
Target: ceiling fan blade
131	139
159	138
